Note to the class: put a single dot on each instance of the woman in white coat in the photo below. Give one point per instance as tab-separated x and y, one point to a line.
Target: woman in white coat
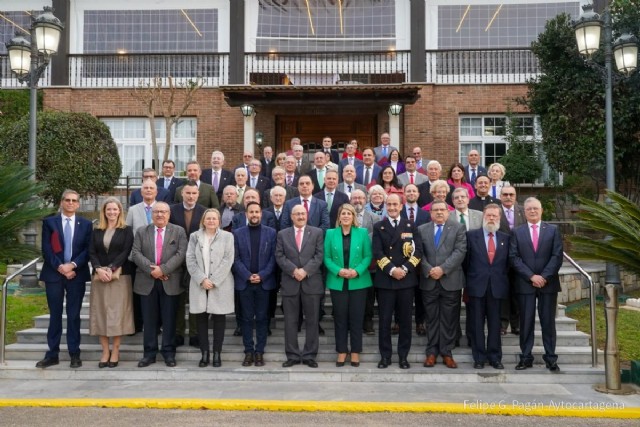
210	257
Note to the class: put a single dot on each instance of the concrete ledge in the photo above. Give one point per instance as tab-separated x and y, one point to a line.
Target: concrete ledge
565	409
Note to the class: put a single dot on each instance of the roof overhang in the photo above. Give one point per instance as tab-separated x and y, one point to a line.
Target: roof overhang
356	94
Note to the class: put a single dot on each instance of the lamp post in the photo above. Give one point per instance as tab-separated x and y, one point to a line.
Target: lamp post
625	50
28	60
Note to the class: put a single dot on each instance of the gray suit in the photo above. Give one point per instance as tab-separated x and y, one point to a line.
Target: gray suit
368	219
155	293
472	218
419	178
355	186
137	217
306	293
379	154
441	298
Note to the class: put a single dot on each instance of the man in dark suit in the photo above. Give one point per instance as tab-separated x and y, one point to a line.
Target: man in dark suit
187	215
162	196
317	209
207	196
278	178
255	179
65	248
302	164
349	158
487	268
444	244
473	169
241	219
396	246
434	171
247	156
368	171
299	253
268	162
291	173
159	251
515	217
168	181
254	273
229	208
536	255
326	148
318	171
332	196
218	177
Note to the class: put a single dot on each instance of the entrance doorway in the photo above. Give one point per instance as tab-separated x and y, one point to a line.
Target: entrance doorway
311	130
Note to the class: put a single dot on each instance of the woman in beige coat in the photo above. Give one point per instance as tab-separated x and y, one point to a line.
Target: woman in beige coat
210	257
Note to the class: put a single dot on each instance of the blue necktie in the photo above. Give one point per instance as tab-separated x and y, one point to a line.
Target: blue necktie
438	234
148	213
473	177
68	241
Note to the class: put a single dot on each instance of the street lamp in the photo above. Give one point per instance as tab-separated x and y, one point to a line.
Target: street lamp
588	29
28	60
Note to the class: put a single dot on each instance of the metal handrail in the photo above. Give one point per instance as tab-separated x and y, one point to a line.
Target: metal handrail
3	309
592	309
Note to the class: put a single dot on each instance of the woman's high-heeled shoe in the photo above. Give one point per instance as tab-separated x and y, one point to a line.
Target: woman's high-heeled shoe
339	363
102	364
355	363
204	362
113	363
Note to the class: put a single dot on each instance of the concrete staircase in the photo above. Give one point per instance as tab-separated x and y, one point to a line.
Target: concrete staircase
573	350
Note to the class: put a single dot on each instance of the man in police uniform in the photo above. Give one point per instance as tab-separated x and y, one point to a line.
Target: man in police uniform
397	249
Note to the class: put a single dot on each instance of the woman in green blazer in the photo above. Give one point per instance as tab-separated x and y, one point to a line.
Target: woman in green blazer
347	255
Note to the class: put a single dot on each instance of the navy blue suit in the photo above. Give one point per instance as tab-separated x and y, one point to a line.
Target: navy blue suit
487	284
339	199
254	298
226	178
318	213
360	171
57	285
546	262
163	196
175	183
420	216
240	220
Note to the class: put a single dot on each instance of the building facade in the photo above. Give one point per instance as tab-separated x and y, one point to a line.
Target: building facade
308	69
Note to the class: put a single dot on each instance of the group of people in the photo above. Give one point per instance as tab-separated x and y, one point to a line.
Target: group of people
367	225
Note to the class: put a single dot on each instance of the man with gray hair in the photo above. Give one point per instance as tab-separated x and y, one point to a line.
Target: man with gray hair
218	177
278	176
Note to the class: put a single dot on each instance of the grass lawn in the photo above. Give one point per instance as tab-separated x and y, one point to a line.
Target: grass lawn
628	328
20	313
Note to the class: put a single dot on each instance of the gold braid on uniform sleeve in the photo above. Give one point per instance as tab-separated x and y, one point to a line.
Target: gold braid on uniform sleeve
414	261
383	262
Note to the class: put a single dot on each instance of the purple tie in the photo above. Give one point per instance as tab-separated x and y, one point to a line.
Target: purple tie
159	246
216	181
534	236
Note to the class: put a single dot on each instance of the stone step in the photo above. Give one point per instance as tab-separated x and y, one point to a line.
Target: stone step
91	353
563	323
564	338
326	372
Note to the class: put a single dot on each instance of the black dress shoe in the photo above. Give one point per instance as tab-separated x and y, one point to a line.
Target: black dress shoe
421	330
194	342
384	363
237	332
179	340
478	365
290	362
403	364
170	361
515	331
204	361
553	366
310	363
47	361
216	362
146	361
248	359
522	365
497	365
259	360
320	331
75	362
268	332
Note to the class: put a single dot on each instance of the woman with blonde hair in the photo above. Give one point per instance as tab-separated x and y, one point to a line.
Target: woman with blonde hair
496	172
111	306
439	190
347	255
280	159
210	256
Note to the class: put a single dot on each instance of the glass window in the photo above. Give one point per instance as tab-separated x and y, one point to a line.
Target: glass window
12	22
185	128
523	126
470	126
326	25
134	129
495	126
132	158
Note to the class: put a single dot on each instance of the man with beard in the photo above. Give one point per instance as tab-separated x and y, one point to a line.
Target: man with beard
487	267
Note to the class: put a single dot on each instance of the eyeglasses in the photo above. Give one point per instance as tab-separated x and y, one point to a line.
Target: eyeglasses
160	212
508	194
71	200
148	176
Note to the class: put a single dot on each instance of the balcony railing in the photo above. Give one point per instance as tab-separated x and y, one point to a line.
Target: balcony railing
481	66
327	68
9	80
130	70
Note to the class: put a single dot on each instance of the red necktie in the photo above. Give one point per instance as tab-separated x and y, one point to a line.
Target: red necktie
411	178
306	206
492	248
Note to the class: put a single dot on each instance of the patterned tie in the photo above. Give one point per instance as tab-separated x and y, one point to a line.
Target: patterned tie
159	246
299	239
473	177
412	216
216	181
534	234
148	213
277	213
436	238
329	201
367	176
289	180
240	194
510	217
306	205
68	241
492	248
462	221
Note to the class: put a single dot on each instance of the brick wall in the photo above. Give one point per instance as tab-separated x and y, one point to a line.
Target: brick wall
432	122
